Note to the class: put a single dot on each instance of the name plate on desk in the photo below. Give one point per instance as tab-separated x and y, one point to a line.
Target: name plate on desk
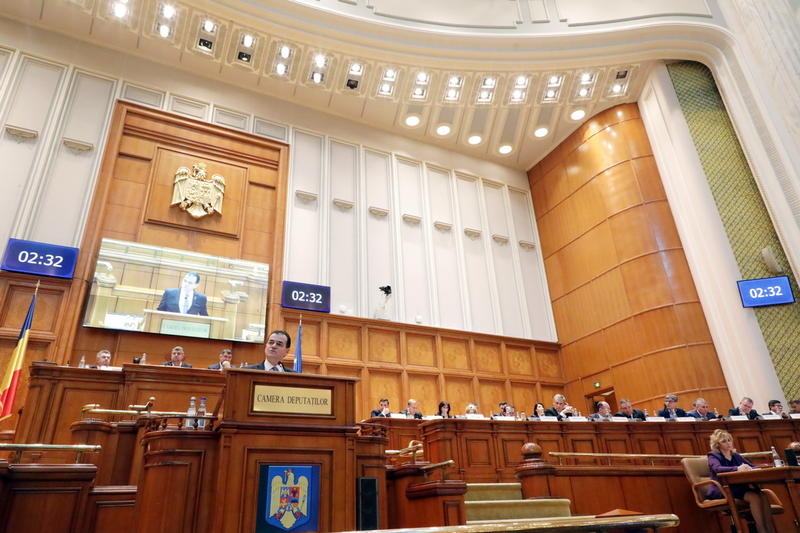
686	419
620	419
577	419
771	417
655	419
548	419
796	416
739	417
292	400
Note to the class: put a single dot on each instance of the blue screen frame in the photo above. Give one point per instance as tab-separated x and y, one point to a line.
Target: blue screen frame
765	291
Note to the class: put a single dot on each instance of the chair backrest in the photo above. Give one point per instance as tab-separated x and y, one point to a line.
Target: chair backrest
696	469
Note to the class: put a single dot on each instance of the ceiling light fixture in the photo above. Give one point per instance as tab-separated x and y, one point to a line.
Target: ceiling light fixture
541	132
577	114
418	93
489	82
505	149
163	30
583	92
475	139
317	77
517	95
356	69
422	77
319	60
443	130
209	26
168	11
280	69
455	81
385	89
551	93
285	52
390	74
555	80
586	77
412	121
247	40
616	88
120	9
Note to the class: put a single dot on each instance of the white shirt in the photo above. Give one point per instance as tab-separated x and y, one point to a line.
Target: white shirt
185	301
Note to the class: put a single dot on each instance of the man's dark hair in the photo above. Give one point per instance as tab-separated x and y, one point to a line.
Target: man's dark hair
196	276
284	333
771	403
383	400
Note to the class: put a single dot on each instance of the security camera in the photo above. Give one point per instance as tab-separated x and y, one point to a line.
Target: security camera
352	84
386	289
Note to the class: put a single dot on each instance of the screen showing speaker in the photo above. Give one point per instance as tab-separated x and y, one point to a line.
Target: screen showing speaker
153	289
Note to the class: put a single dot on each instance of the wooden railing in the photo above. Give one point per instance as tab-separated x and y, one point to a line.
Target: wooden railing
652	457
19	449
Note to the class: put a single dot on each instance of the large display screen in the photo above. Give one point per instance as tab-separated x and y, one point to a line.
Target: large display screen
765	291
152	289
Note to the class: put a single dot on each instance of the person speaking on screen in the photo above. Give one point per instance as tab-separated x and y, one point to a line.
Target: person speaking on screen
185	299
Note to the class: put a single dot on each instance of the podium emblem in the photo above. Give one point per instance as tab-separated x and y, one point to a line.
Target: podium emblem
291	498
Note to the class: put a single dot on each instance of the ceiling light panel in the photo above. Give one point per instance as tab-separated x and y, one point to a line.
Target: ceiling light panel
354	76
121	12
246	48
208	35
282	59
584	85
486	87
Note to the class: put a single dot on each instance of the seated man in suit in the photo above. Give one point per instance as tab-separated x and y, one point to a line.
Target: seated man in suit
745	409
671	410
701	411
626	409
176	358
603	413
186	299
276	348
412	409
794	407
225	358
560	408
776	408
102	359
382	410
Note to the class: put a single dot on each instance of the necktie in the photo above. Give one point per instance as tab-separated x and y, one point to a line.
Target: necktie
185	304
275	369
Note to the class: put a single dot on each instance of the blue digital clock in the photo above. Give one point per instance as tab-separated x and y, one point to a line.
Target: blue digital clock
31	257
296	295
765	291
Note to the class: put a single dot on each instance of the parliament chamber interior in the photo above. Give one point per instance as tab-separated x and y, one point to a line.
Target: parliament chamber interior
340	265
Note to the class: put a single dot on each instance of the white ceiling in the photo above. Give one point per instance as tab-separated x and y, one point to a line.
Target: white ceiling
507	41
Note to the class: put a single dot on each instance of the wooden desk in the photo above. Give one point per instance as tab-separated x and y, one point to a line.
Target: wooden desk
785	476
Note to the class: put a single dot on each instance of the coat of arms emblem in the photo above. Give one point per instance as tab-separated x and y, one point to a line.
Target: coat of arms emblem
288	499
197	193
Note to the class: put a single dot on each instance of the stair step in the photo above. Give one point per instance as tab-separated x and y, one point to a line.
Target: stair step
493	491
517	509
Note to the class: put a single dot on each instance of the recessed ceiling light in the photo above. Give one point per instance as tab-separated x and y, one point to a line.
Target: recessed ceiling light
317	77
209	26
586	77
551	93
120	10
422	77
583	92
522	82
319	60
455	81
247	40
489	82
390	74
505	149
163	30
443	130
451	94
168	11
356	69
280	69
474	139
418	93
577	114
285	52
616	88
385	89
412	121
517	95
554	80
541	132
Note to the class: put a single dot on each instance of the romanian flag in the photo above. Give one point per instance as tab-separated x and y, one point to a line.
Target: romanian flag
298	350
8	387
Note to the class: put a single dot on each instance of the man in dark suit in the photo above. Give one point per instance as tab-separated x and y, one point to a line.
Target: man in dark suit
176	356
102	359
626	409
382	410
185	300
671	409
225	357
745	408
560	408
701	411
412	409
276	348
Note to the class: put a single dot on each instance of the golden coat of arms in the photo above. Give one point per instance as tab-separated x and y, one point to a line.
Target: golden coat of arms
196	193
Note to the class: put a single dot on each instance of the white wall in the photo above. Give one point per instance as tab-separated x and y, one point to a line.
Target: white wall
365	207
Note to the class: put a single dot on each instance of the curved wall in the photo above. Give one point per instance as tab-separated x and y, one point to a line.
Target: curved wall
624	301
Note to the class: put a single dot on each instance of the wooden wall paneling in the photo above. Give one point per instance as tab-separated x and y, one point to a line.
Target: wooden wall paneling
459	391
344	342
172	387
548	435
510	436
521	360
455	353
383	345
480	458
385	384
420	350
425	389
487	357
523	396
110	509
491	393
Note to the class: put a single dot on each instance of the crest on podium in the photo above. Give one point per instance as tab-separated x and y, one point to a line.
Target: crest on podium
288	498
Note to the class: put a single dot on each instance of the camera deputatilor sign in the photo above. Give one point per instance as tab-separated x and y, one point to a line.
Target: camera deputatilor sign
292	400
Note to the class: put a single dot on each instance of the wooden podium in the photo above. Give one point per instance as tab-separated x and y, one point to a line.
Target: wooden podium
272	419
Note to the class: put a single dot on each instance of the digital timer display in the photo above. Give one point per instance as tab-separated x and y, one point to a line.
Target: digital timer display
765	291
31	257
306	296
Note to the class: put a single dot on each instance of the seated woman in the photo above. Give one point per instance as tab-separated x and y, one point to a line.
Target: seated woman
723	458
444	410
538	410
471	409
